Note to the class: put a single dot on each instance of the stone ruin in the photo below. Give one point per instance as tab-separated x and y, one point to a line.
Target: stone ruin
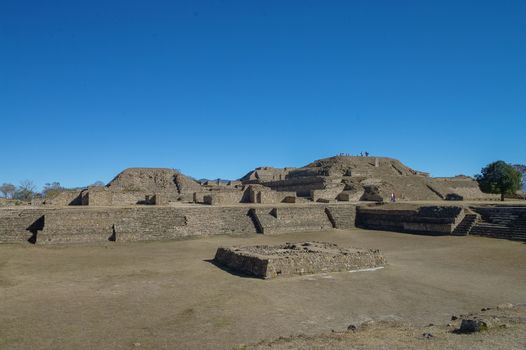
335	179
348	178
292	259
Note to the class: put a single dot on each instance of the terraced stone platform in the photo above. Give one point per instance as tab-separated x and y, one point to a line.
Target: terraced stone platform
506	222
290	259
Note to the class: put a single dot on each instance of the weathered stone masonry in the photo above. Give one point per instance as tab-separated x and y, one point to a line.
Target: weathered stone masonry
91	224
84	224
290	259
494	221
433	220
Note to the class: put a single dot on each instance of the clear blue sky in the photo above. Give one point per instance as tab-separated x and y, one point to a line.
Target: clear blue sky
216	88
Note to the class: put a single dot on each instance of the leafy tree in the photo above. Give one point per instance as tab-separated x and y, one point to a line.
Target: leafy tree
499	178
25	191
8	190
52	189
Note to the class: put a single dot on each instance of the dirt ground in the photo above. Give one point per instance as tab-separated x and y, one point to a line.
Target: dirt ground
167	295
505	329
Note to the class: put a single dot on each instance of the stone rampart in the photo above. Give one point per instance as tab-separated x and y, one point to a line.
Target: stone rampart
282	220
304	218
92	224
432	220
83	224
16	223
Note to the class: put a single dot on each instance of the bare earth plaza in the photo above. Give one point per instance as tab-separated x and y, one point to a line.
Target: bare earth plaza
263	175
320	256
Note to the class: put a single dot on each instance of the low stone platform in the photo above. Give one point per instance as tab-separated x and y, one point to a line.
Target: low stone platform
82	224
290	259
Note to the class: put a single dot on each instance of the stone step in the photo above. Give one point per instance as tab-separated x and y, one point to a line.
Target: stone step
465	226
491	230
490	224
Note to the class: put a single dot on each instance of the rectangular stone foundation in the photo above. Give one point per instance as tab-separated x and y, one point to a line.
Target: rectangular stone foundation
292	259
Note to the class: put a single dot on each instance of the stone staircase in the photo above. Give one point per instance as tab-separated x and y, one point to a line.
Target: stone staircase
491	230
465	226
501	222
284	220
519	229
342	217
255	220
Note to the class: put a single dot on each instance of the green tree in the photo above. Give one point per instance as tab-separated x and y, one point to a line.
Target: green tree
8	190
499	178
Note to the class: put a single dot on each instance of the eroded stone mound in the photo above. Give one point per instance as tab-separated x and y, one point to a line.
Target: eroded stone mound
290	259
155	180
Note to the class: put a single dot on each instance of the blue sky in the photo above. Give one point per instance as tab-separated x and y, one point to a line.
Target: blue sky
216	88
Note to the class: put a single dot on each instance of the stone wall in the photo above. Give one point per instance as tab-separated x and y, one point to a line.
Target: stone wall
301	186
281	220
264	195
64	198
303	218
223	197
85	224
264	174
350	196
98	197
15	224
92	224
128	197
329	193
433	220
142	223
102	197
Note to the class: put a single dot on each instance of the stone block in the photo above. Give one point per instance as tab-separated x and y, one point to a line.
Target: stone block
289	199
292	259
99	197
329	193
159	199
223	198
